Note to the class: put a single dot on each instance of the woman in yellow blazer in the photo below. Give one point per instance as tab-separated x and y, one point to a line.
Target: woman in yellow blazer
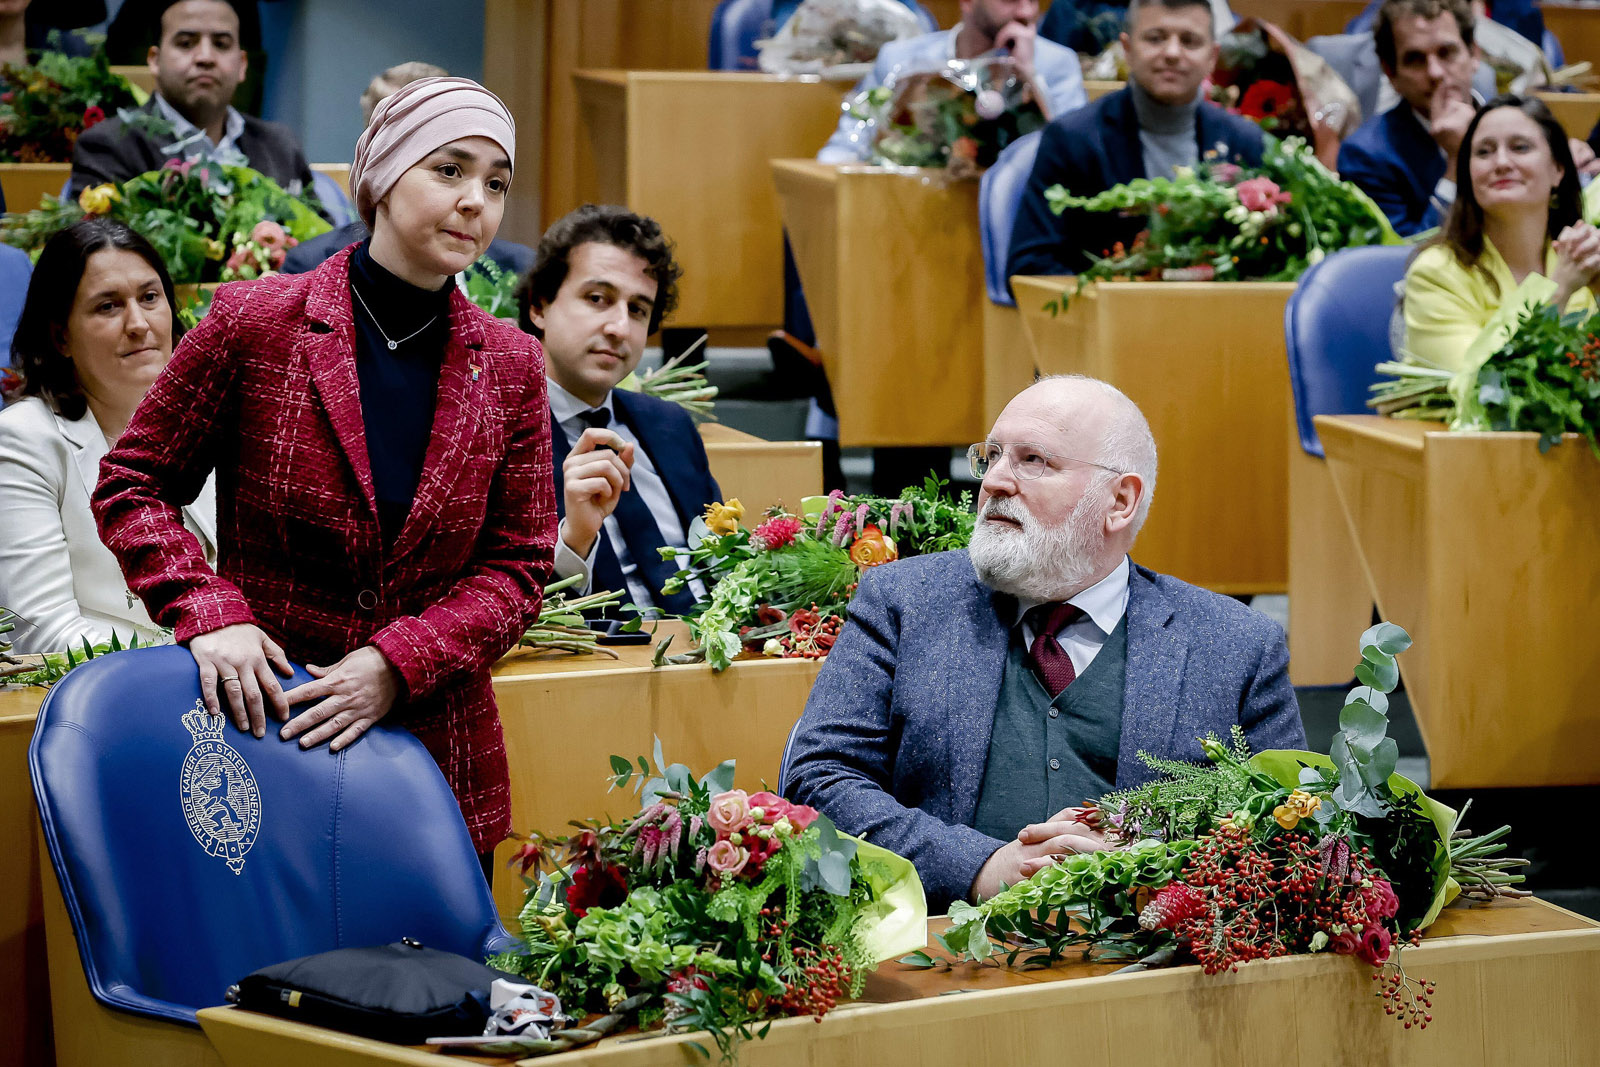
1517	213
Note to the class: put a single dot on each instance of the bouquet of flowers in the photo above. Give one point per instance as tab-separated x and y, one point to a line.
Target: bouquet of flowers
45	106
711	909
1275	81
208	221
1257	857
50	667
782	588
1531	368
1223	222
959	117
832	36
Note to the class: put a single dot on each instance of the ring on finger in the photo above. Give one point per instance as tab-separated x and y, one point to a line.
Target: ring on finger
231	681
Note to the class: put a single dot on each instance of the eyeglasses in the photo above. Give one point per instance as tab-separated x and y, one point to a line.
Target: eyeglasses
1029	462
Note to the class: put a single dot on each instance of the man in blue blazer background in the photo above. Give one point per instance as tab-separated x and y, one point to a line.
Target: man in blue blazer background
975	699
631	471
985	26
1156	124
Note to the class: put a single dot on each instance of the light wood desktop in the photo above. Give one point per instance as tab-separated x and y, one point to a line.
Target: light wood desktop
761	474
1526	958
893	271
1484	550
692	150
1205	363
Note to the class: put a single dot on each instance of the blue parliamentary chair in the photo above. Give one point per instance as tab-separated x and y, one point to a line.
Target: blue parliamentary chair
1336	329
736	26
340	210
15	270
999	193
190	854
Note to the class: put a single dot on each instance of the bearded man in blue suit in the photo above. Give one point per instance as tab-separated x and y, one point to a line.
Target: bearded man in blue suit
976	699
631	471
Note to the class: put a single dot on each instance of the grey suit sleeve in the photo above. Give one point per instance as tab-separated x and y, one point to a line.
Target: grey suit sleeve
1269	713
841	755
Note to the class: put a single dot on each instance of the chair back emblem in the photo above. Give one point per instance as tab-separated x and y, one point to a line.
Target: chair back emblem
221	800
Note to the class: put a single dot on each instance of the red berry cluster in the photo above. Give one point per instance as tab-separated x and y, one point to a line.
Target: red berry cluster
811	634
1585	361
1408	998
824	978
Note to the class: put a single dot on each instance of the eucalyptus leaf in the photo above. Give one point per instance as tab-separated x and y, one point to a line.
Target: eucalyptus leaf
1374	698
719	780
1388	637
1378	769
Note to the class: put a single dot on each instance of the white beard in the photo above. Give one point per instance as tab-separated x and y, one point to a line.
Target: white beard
1036	563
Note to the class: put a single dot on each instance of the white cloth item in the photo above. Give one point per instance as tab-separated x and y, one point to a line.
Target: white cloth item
194	142
646	479
63	584
1103	605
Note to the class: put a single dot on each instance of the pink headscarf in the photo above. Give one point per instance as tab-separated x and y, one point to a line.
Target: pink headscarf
418	118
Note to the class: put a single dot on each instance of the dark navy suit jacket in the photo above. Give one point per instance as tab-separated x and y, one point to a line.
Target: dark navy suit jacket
1088	151
895	736
668	435
308	255
1394	160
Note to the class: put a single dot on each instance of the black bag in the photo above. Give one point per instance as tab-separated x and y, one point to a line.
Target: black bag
402	992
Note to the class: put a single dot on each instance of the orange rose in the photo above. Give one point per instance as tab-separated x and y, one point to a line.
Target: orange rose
873	548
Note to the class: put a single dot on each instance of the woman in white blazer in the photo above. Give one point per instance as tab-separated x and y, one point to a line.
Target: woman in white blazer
96	329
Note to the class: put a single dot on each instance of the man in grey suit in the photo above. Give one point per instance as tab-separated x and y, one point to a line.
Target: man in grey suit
976	699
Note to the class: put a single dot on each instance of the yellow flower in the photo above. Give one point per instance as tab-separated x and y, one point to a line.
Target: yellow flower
215	249
1303	803
1286	817
872	548
97	199
724	518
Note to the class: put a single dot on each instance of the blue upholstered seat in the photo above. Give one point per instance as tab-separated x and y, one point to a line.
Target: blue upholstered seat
1336	328
190	854
998	195
334	198
736	26
15	270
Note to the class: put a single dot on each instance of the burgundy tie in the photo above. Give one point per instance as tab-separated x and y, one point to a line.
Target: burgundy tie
1046	655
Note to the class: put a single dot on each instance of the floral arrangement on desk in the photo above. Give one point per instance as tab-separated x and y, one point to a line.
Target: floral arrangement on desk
710	909
835	38
959	117
43	107
782	588
1258	857
1219	221
1532	368
49	668
1267	76
209	222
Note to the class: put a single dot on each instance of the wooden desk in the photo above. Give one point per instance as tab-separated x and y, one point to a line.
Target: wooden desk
25	184
1205	362
1301	18
1096	88
1577	27
893	271
761	473
137	75
1484	550
1533	962
1577	112
691	150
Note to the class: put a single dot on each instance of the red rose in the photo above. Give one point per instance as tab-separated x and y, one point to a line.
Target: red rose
93	115
1375	941
1345	943
596	887
1379	899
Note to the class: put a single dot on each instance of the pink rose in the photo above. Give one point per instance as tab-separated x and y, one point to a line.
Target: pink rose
1261	194
727	858
729	812
775	807
239	258
1374	944
1345	942
268	234
1379	899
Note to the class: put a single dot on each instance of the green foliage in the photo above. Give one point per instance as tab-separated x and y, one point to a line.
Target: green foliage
1544	379
1189	798
928	518
45	106
51	667
492	288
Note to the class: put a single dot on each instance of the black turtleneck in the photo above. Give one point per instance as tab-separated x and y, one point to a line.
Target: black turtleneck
399	386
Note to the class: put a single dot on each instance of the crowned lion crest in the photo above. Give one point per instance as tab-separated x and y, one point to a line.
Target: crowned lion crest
220	798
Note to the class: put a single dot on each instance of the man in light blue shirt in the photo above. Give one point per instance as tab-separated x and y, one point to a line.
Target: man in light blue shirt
986	26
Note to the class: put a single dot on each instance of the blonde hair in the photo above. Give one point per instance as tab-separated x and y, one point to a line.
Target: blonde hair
392	79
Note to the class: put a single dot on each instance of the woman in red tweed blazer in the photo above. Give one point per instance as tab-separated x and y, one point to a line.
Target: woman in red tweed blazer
410	605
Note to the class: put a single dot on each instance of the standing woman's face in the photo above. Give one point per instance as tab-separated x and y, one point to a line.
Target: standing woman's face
444	211
119	331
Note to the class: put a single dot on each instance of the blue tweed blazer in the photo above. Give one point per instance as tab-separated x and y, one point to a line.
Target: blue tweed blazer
895	735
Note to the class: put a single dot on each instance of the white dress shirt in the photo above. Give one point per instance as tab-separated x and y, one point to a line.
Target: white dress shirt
646	480
194	143
63	584
1103	605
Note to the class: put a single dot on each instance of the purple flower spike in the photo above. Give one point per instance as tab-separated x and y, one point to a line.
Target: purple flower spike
861	520
841	528
700	860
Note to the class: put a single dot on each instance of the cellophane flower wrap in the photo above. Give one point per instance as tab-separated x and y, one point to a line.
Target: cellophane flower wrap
1220	221
782	587
835	37
209	221
712	908
1259	856
1278	83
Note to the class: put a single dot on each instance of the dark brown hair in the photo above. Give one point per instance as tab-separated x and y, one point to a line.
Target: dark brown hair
1394	10
1463	227
35	355
597	224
